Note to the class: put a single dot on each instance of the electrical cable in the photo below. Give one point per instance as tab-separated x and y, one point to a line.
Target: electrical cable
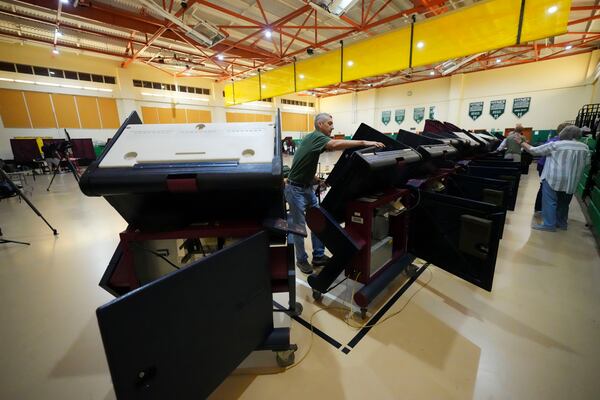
312	334
156	254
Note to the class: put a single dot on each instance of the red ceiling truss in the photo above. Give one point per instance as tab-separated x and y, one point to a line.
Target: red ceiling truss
136	33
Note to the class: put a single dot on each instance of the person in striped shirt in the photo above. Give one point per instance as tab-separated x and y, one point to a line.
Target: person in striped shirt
565	161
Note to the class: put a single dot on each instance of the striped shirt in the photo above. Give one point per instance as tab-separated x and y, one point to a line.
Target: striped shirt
565	161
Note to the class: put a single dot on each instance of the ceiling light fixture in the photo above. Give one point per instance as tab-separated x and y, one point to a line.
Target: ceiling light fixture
420	45
498	60
57	33
268	33
569	47
301	76
55	51
432	73
220	57
350	63
552	10
263	86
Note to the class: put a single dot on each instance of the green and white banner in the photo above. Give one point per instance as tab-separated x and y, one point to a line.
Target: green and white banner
475	110
497	108
399	116
419	114
521	106
432	112
386	117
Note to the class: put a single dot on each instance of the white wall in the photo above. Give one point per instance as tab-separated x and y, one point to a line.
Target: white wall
558	89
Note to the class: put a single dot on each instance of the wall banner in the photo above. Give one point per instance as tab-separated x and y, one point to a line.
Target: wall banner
399	116
475	110
521	106
419	114
497	108
386	117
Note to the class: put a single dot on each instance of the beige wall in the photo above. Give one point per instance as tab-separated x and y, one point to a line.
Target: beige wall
558	88
128	97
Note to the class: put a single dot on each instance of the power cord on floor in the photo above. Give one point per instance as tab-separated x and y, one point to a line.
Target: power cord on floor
346	320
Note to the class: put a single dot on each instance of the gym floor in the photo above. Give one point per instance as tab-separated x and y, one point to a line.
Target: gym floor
536	335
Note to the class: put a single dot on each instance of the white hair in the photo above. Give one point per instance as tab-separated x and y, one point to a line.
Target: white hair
321	117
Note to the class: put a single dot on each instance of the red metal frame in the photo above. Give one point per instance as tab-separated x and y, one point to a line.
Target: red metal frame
252	51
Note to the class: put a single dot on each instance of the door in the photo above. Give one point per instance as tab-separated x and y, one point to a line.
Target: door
183	334
458	235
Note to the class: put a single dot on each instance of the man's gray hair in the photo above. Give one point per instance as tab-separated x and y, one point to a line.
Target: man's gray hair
570	132
321	117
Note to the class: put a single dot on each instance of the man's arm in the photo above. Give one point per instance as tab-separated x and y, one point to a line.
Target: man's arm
542	150
341	144
502	146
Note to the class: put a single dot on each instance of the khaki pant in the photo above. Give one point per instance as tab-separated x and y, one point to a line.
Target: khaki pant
512	156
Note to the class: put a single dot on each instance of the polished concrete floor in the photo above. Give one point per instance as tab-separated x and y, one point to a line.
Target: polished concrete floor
535	336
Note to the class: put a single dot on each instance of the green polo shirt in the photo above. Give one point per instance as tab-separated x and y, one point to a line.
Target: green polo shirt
306	158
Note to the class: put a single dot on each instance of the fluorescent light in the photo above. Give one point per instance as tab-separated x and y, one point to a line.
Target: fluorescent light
75	87
7	80
432	73
301	76
552	10
47	84
89	88
104	90
23	81
498	60
350	63
268	33
569	47
64	1
220	57
263	86
173	97
57	33
420	45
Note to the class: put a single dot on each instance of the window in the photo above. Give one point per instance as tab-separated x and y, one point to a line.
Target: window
147	84
155	85
56	73
24	69
41	71
4	66
84	77
182	89
97	78
71	75
137	83
110	79
206	91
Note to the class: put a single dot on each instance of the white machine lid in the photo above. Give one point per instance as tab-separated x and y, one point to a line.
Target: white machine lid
245	142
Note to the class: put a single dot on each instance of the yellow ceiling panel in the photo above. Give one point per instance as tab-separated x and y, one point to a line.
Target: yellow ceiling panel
482	27
544	18
246	90
318	71
378	55
277	82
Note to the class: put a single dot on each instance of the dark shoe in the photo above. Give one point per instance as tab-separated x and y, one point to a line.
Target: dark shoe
562	228
305	267
320	261
542	227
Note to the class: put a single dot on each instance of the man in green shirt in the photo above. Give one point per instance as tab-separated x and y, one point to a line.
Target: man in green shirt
299	191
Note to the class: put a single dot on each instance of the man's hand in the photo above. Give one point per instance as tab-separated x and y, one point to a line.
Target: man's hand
369	143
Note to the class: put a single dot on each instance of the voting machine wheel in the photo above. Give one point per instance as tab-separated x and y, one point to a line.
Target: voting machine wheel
286	358
363	313
411	270
297	311
317	295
